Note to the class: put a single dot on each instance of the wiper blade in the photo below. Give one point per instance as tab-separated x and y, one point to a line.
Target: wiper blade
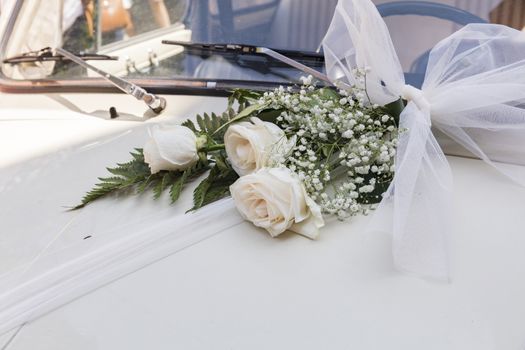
47	55
155	103
284	56
245	50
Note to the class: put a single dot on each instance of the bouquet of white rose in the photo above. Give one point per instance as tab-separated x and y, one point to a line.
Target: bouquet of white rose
286	157
293	156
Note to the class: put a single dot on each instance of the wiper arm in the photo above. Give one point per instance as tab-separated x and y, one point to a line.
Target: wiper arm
46	55
284	56
245	49
155	103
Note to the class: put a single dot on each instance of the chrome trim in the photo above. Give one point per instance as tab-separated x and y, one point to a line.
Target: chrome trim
155	103
13	15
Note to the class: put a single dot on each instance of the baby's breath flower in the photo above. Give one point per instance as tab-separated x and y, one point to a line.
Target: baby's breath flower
344	146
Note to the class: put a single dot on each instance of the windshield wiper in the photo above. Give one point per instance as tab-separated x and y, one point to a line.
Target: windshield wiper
284	56
155	103
246	50
46	54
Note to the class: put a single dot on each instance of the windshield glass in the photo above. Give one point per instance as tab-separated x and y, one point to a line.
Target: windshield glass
134	30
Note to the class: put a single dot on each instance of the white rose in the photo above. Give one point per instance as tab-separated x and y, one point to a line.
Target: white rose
250	144
276	200
171	148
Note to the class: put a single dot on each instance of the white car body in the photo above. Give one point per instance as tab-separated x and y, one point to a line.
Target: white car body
242	289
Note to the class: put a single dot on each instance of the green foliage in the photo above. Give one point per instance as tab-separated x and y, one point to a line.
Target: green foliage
244	98
214	126
176	187
136	175
270	115
211	124
382	184
328	94
395	109
216	186
161	185
251	110
126	176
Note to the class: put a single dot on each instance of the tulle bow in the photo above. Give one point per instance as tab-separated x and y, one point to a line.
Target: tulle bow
473	91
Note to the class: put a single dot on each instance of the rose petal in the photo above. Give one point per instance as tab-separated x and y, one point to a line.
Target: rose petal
170	148
275	199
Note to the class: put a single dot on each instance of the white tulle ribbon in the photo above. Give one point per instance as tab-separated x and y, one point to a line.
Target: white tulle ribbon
69	254
474	90
412	94
53	279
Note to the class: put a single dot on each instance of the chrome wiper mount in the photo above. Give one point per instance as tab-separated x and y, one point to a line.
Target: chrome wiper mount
155	103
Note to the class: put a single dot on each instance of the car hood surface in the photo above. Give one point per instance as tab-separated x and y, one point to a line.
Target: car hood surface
242	289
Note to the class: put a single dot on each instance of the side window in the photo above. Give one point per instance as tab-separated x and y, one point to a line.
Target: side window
124	19
92	24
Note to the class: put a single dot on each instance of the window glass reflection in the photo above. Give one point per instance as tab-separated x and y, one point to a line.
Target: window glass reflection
95	25
119	20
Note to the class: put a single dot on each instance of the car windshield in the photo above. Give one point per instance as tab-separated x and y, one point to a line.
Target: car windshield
134	30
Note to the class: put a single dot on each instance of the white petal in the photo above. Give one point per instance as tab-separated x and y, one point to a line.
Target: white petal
152	157
177	145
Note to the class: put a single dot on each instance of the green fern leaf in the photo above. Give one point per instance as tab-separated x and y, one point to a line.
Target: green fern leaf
138	155
243	98
112	180
144	184
215	121
177	186
221	163
201	123
127	175
189	124
199	194
214	187
248	111
162	184
208	124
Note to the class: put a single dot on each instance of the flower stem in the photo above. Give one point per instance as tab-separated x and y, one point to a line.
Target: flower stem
216	147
